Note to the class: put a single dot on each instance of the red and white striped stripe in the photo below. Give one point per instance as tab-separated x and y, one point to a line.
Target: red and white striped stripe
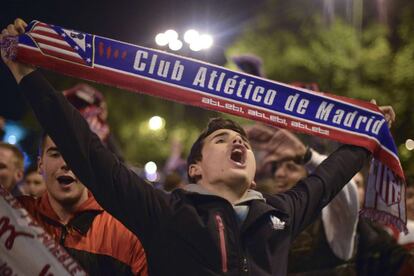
387	185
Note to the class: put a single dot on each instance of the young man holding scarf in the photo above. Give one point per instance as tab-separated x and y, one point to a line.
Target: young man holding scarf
217	226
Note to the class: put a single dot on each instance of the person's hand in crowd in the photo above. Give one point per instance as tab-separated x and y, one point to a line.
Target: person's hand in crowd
274	144
98	126
18	69
388	113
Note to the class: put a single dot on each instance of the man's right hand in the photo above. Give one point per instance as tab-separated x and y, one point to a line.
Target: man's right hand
19	70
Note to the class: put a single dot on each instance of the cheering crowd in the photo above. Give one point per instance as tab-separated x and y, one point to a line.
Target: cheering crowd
287	209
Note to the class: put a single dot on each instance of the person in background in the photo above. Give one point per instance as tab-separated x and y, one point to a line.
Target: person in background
33	183
70	213
92	105
11	168
327	246
358	179
175	175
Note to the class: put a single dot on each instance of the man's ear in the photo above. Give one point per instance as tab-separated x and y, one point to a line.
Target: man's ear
194	171
39	165
19	175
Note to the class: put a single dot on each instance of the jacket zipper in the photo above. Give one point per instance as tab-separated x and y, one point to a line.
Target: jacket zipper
245	265
223	250
63	235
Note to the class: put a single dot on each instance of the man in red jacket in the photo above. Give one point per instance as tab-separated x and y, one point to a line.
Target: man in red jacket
69	212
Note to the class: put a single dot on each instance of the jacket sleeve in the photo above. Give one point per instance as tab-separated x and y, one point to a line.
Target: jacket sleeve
340	216
305	201
119	190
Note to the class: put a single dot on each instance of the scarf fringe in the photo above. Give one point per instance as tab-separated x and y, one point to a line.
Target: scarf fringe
384	218
9	45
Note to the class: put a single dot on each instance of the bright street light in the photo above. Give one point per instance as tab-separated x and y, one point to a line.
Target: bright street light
175	45
206	41
196	46
171	35
196	41
156	123
150	167
409	144
161	39
190	36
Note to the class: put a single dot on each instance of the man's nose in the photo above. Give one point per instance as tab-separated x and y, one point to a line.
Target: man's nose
280	172
238	140
64	166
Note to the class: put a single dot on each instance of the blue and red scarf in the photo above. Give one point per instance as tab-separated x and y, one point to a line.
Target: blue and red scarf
213	87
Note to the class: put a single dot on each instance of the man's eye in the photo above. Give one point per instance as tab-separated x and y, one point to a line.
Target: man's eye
55	154
220	141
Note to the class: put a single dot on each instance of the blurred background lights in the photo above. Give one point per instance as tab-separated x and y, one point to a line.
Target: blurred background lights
161	39
206	41
11	139
196	46
175	45
196	41
150	167
171	35
190	36
14	133
156	123
409	144
151	176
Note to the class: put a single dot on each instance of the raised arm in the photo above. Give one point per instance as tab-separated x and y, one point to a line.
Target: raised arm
314	192
119	190
340	216
306	200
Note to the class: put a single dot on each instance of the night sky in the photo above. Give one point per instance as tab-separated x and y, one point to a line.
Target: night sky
136	22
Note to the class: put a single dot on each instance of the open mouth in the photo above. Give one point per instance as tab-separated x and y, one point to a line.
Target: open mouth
238	155
65	180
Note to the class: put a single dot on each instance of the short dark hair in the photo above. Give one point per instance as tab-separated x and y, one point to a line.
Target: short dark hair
42	142
214	124
31	169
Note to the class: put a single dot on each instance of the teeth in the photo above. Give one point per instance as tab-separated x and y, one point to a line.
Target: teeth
237	156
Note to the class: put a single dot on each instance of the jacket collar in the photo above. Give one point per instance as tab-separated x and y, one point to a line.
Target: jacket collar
255	201
82	218
249	196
